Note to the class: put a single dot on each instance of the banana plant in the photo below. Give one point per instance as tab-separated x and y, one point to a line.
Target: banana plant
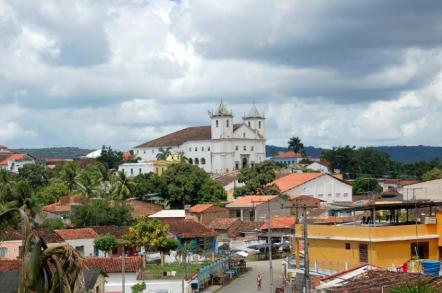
46	269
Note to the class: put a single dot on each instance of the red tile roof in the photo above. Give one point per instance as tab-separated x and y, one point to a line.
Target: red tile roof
224	223
295	179
289	154
63	205
113	264
181	136
80	233
8	265
250	200
143	208
13	157
126	156
116	231
199	208
280	222
382	281
187	228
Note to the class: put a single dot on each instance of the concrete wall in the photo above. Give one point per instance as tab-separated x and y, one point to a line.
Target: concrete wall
326	188
134	169
12	248
425	190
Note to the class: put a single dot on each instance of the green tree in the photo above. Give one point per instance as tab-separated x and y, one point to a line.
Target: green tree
87	185
434	173
371	161
68	175
257	179
112	159
163	153
148	233
133	158
103	177
189	184
148	183
295	144
99	212
341	158
51	193
55	268
36	175
122	186
366	185
106	243
53	223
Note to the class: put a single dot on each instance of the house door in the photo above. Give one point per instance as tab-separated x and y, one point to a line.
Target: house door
363	252
244	162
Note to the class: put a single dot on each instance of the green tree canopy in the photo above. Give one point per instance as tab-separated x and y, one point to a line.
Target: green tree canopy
68	174
149	183
110	158
36	175
434	173
257	179
295	144
163	153
122	186
106	243
51	193
189	184
53	223
366	185
99	212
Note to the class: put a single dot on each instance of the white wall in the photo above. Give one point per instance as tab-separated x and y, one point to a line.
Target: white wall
134	169
318	167
13	166
326	188
88	246
114	283
431	190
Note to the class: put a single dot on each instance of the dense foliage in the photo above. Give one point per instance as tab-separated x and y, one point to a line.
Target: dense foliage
105	243
99	212
366	185
354	162
257	179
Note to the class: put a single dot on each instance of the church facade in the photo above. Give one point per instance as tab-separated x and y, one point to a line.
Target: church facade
218	148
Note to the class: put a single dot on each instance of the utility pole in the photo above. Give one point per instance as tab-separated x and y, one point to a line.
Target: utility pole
269	240
123	272
306	256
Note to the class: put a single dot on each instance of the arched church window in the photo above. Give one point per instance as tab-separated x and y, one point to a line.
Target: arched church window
244	134
203	161
236	148
216	122
227	123
252	148
197	161
259	124
208	148
190	161
249	123
244	148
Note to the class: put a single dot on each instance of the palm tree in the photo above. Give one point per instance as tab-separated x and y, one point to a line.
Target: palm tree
183	158
163	153
295	144
86	185
122	186
57	268
69	174
6	185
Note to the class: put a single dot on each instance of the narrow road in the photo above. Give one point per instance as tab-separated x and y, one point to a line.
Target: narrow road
247	281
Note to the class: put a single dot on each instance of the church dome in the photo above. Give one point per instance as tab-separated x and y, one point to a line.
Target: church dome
222	110
254	113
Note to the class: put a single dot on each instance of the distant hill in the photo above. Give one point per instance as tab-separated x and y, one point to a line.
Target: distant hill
404	154
56	152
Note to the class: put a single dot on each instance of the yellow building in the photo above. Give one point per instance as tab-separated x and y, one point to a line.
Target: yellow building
384	243
161	165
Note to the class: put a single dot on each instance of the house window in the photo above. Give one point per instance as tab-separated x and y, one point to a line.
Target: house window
80	249
244	134
190	161
259	124
347	246
238	213
320	195
139	171
3	252
345	194
252	148
202	148
131	171
143	152
329	195
216	122
153	151
197	161
203	161
190	149
421	250
338	195
244	148
208	148
236	148
196	149
227	123
249	123
236	165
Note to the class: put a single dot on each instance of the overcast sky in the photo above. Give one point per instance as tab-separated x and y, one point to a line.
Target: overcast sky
119	72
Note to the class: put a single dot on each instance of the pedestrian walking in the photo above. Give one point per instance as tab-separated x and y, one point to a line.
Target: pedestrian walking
259	281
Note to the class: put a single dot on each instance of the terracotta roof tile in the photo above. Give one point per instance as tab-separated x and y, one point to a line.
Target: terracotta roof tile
80	233
382	281
295	179
13	157
143	208
289	154
199	208
7	265
224	223
113	264
280	222
116	231
250	200
181	136
187	228
64	204
49	236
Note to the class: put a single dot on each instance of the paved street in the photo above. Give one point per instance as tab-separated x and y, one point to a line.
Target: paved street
247	282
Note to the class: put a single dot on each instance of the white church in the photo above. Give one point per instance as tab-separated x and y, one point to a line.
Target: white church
218	148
